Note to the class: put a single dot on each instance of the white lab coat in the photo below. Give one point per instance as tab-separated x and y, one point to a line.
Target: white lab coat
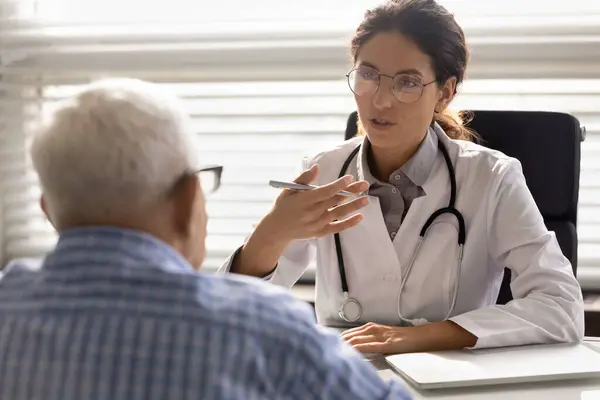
504	228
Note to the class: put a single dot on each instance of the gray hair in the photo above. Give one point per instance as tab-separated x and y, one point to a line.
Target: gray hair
112	149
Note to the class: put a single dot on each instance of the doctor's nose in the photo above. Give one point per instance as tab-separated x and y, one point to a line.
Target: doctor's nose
383	98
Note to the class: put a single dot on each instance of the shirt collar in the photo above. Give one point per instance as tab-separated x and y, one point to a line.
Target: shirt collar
417	168
122	246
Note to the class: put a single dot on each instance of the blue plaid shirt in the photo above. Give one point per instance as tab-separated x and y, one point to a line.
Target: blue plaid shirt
114	314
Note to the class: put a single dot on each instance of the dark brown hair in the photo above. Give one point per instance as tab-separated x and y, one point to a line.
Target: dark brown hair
434	30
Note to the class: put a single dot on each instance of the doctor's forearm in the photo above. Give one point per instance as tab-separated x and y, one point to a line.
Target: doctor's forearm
445	335
260	254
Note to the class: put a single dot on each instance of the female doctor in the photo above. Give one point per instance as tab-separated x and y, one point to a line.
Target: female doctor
417	264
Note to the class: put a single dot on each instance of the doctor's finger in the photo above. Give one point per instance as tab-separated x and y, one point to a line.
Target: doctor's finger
339	212
371	347
354	331
329	190
340	226
308	176
362	340
356	187
332	209
366	329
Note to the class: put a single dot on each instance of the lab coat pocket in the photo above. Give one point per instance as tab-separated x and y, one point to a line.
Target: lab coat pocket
431	285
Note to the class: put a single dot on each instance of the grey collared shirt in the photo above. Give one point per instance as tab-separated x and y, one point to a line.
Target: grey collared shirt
403	185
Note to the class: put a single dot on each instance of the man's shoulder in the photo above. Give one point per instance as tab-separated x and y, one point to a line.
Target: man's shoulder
17	272
230	302
257	305
22	265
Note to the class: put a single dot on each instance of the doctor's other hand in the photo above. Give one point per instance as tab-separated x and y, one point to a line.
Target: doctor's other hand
433	336
382	339
300	215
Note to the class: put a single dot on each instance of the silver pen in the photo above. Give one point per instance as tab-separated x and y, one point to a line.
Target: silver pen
299	186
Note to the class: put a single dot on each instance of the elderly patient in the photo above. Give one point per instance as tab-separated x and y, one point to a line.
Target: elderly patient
116	310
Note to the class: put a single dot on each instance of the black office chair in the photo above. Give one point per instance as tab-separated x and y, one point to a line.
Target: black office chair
548	146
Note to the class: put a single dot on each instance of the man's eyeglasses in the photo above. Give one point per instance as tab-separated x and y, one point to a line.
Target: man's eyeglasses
210	177
365	81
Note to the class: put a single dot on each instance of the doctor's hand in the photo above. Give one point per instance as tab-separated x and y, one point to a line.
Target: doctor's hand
300	215
434	336
315	213
382	339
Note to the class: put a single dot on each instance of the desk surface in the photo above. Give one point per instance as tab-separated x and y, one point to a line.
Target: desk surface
567	390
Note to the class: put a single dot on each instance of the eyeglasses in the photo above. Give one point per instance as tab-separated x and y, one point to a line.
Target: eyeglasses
210	177
365	81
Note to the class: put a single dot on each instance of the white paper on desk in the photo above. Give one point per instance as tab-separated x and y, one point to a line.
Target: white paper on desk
460	368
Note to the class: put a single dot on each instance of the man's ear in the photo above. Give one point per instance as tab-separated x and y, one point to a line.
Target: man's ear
446	95
44	207
184	199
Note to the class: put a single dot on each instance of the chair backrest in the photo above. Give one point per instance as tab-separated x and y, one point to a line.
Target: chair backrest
548	146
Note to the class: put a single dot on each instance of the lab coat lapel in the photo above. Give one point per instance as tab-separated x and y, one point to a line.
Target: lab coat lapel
370	243
371	262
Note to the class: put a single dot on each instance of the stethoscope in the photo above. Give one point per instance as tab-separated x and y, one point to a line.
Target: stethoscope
351	310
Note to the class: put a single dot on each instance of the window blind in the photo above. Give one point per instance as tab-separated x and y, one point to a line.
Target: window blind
265	84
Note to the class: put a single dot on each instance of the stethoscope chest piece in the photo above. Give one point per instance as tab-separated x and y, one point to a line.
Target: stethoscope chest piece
351	310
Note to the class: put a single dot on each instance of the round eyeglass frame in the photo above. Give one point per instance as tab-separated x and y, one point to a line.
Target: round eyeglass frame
397	95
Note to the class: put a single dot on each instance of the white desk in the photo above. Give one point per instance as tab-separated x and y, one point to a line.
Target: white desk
566	390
